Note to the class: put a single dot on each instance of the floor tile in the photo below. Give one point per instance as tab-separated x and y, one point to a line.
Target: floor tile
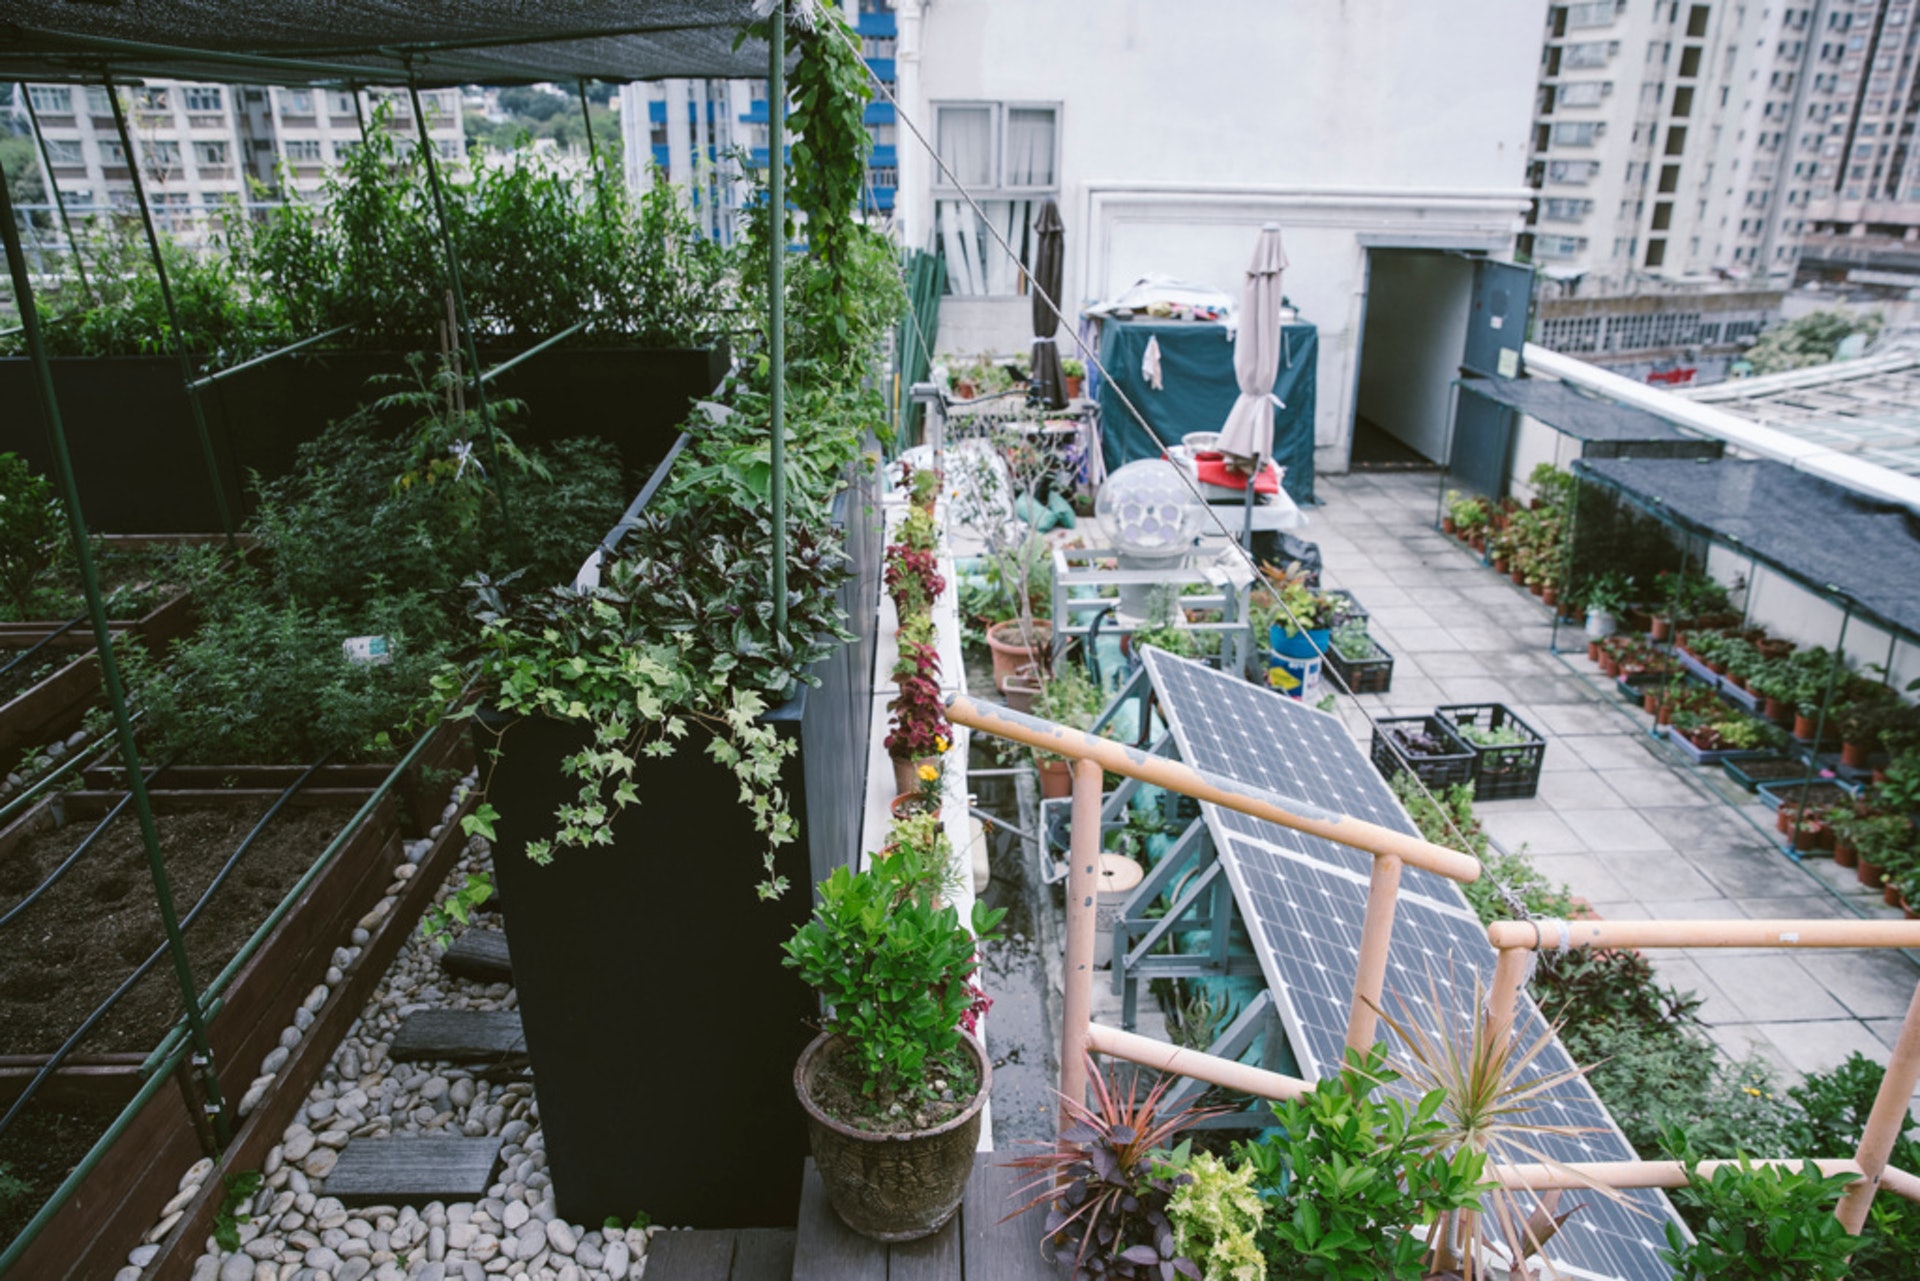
1770	989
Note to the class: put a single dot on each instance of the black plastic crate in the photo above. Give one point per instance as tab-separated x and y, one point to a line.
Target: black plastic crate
1363	675
1345	609
1391	758
1509	771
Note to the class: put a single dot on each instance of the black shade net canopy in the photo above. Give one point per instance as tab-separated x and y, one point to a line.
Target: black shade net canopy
1568	410
1833	539
434	43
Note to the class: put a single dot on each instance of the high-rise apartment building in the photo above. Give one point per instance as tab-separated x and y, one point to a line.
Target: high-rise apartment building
203	147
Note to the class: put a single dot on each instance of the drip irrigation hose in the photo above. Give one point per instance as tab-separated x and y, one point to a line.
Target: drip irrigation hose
42	643
159	954
67	864
79	760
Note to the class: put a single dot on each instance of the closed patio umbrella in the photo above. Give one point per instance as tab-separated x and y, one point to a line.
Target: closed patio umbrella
1048	389
1248	434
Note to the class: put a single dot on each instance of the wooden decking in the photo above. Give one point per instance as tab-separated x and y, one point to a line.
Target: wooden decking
974	1246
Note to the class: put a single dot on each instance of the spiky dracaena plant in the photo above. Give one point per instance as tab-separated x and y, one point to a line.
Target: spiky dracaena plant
1492	1087
1107	1184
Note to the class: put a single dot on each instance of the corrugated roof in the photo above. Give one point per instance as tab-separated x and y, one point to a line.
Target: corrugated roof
1869	407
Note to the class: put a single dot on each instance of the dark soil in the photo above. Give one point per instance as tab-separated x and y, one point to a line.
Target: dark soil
38	1151
69	951
1769	771
837	1092
30	673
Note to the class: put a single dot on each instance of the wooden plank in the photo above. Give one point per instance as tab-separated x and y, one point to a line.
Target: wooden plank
85	1083
412	1169
490	1037
763	1254
480	955
264	1128
824	1248
996	1251
931	1258
691	1256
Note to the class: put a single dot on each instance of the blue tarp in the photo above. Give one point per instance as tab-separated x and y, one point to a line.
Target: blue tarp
1198	388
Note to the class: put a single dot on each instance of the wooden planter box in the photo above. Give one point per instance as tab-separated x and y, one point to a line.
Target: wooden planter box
120	1200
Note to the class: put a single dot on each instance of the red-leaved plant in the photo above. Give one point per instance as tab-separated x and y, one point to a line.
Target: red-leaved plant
1104	1184
913	579
919	710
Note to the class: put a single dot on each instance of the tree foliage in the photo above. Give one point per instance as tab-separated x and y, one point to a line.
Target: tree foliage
1810	340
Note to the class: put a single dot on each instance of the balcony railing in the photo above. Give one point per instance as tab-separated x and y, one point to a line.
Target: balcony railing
1512	940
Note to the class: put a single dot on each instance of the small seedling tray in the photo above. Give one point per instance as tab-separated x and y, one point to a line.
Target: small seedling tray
1510	771
1392	759
1363	675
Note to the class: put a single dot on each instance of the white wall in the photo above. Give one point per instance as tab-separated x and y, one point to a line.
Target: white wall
1415	334
1184	128
1787	609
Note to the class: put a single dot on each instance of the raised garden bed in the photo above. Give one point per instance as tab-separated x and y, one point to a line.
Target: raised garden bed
1744	699
1822	794
1425	746
122	1197
1698	668
1506	763
1762	767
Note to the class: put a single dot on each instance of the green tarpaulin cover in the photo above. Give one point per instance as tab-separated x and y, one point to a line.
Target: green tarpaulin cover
1197	390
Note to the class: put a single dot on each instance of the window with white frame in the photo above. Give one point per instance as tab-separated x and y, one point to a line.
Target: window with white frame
1591	13
1559	246
303	150
205	98
1578	134
1558	210
52	100
1585	53
112	153
65	151
1573	173
153	99
1006	157
210	153
1584	93
296	102
162	154
98	103
341	104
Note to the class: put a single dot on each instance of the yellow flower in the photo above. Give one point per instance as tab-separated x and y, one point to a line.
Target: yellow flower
1755	1093
929	773
940	744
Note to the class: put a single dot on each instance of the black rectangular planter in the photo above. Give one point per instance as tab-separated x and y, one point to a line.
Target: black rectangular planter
1435	771
1503	773
154	479
1363	675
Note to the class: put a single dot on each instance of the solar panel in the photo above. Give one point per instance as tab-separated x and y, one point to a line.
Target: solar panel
1303	900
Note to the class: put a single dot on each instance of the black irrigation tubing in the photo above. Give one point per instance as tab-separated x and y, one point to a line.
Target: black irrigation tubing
159	954
102	748
33	895
42	643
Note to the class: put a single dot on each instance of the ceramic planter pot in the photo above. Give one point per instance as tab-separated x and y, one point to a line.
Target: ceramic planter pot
1854	755
1011	652
1056	778
1868	874
1844	853
891	1187
1600	625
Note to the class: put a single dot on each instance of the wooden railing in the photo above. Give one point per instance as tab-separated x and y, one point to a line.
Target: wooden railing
1512	940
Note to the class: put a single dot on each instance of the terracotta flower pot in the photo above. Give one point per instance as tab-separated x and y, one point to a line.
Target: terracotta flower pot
1868	874
1890	894
1662	629
1480	542
891	1187
1776	711
1593	651
1650	703
1076	384
1664	715
1812	834
1844	853
1609	666
1011	652
1550	595
1519	578
1056	778
1802	725
1447	525
906	771
909	804
1499	564
1854	755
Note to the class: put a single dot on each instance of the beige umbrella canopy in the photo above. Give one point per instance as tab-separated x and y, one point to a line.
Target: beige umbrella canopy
1248	433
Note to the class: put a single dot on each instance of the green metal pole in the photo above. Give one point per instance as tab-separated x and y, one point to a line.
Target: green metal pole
1820	721
777	301
109	665
53	190
173	319
460	300
593	156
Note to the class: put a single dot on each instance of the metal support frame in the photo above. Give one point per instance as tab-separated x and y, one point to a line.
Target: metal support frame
1820	729
1236	640
593	157
777	302
208	380
459	296
202	1050
1260	1017
53	189
173	317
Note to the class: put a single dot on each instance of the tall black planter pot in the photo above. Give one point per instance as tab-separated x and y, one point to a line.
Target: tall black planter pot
662	1027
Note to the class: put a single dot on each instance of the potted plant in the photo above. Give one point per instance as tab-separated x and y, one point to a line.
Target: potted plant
894	1085
1606	597
924	797
1295	611
913	579
919	734
1109	1181
1878	840
1074	372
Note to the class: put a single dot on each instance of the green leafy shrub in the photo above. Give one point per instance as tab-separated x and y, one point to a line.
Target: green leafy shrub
1216	1220
33	535
1760	1222
1344	1174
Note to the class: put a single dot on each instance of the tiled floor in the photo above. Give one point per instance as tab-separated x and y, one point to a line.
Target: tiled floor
1619	818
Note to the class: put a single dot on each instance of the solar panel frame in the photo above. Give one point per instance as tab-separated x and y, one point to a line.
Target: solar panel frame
1302	900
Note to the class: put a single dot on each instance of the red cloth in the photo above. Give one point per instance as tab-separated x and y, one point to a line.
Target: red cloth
1214	471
